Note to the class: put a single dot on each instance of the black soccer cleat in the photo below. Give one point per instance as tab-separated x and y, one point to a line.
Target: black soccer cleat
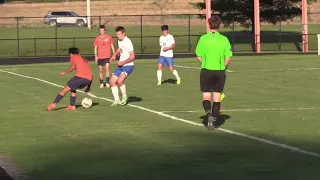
211	121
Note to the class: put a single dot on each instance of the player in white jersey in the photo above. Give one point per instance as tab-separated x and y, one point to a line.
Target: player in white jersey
125	66
167	43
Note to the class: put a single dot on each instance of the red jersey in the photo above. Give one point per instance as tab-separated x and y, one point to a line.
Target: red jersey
104	44
83	69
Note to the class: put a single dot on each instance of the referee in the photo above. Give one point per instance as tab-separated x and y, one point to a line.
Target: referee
213	52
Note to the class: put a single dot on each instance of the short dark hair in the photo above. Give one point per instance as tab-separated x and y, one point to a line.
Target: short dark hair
120	28
214	22
74	51
102	27
164	27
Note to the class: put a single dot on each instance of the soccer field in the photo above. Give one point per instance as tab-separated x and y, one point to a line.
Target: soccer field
268	124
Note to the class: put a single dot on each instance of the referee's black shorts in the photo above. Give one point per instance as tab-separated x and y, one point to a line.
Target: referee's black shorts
212	80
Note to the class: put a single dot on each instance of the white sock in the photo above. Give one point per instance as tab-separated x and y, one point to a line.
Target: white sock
123	90
115	93
175	73
159	75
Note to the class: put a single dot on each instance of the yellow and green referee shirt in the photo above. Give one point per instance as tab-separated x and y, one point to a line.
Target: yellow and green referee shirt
213	48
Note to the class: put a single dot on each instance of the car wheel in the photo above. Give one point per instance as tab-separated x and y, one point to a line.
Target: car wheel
80	23
52	23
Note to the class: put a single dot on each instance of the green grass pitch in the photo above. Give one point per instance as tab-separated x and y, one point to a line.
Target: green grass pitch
41	41
271	97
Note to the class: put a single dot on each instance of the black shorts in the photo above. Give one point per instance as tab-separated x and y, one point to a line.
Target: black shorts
212	80
103	62
78	83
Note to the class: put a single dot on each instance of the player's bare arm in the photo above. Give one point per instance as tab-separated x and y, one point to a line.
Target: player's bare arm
199	59
130	59
113	57
112	47
96	53
71	68
169	48
226	62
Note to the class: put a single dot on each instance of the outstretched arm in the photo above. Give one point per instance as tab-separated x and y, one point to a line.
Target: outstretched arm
115	54
71	68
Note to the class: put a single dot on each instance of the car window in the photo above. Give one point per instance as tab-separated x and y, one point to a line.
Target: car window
75	14
68	14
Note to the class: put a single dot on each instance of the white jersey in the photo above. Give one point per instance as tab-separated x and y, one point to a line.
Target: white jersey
126	47
166	41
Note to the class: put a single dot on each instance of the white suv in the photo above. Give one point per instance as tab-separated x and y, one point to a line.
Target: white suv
58	18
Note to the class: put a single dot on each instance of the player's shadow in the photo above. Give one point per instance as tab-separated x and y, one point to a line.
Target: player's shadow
133	99
220	120
171	81
93	104
77	106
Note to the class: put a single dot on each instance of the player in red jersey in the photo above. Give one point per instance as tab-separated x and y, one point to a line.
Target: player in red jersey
102	45
83	78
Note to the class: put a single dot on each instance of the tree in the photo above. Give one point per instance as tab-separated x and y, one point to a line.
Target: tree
241	11
162	4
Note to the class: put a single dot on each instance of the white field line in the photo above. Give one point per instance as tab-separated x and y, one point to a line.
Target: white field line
258	70
246	110
266	141
9	69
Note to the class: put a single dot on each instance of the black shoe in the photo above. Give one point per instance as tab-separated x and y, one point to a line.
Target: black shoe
211	122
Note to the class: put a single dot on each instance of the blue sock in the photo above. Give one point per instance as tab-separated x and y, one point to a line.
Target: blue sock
72	100
58	98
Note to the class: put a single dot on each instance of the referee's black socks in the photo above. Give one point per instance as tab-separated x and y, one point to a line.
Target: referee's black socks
215	109
207	106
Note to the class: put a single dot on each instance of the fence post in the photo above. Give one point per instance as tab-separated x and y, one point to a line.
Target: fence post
141	43
35	46
189	32
56	38
280	29
74	41
233	24
99	20
18	37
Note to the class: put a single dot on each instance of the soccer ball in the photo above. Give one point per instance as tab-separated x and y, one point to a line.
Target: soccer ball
86	102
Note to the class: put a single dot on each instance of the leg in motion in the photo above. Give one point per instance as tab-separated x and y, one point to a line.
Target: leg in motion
123	89
101	76
107	74
161	62
115	90
58	98
73	97
170	62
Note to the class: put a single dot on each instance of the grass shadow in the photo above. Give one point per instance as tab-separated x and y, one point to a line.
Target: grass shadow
77	106
133	99
170	81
